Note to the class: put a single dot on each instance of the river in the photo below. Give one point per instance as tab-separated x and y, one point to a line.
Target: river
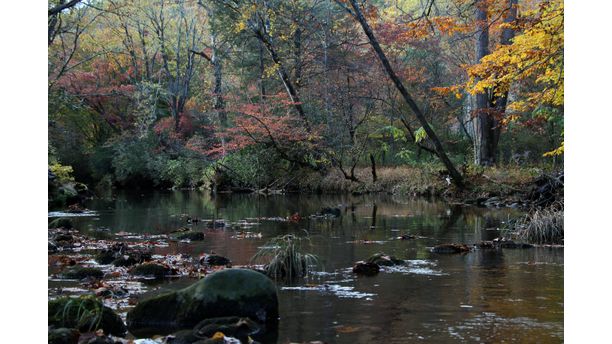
508	295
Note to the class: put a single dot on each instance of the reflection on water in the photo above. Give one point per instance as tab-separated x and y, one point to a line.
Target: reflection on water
482	296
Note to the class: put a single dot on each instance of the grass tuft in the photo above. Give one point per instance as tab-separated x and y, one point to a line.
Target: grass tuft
284	258
84	312
543	226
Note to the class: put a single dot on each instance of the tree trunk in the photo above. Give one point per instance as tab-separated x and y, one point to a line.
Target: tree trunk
262	71
455	175
506	39
489	109
483	122
219	104
284	76
297	53
373	163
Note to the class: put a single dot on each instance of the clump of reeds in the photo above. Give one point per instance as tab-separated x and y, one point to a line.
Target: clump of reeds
284	258
83	313
543	226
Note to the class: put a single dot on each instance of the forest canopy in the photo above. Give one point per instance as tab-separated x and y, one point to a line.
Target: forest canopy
193	93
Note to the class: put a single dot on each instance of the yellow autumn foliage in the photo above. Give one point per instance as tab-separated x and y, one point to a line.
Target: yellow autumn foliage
536	54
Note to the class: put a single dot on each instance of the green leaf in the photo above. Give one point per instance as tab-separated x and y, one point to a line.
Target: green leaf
419	135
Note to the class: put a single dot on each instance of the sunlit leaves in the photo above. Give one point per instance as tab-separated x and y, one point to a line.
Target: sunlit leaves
557	151
535	55
420	135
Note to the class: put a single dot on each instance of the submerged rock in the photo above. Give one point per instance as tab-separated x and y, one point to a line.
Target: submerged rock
483	245
157	271
503	243
230	292
183	337
383	259
82	272
125	261
336	212
511	244
190	235
237	327
62	222
51	247
120	254
105	257
63	238
366	268
132	258
451	248
63	336
214	260
216	224
101	340
85	313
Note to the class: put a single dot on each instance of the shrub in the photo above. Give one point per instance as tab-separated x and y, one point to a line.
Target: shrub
63	173
253	167
183	172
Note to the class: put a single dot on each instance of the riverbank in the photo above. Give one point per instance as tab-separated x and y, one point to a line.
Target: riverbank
491	186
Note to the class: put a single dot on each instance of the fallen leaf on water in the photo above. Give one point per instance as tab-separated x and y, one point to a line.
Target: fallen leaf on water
346	329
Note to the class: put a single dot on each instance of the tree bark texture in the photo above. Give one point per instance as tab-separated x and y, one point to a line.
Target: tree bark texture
489	108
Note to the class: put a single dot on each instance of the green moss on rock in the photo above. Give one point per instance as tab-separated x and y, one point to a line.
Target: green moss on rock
230	292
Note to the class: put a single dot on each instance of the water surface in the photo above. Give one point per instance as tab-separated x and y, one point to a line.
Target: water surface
483	296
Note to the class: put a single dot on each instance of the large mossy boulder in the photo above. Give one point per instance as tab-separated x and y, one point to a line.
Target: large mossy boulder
85	313
230	292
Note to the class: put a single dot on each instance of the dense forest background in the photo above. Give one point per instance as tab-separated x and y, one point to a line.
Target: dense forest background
256	94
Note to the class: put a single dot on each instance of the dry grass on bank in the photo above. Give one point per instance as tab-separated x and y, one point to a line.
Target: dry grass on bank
543	226
422	180
500	180
398	180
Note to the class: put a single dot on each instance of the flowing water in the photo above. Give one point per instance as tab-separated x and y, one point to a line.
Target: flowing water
486	296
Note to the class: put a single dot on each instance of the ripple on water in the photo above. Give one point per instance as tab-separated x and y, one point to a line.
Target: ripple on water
472	328
416	267
334	289
67	214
